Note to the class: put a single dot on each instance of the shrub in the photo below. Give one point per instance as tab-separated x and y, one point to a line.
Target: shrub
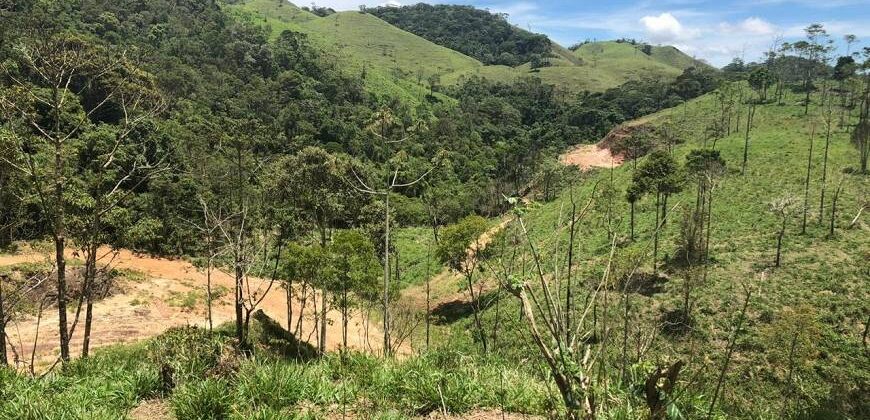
201	400
192	353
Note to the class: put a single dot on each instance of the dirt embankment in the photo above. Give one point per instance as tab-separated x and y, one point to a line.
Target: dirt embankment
610	152
164	293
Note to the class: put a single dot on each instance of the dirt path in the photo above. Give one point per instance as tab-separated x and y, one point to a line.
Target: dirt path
169	293
446	287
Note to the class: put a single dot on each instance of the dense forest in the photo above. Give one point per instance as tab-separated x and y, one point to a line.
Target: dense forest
478	33
177	157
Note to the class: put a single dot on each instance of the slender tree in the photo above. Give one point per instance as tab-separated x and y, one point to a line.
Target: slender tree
47	115
460	249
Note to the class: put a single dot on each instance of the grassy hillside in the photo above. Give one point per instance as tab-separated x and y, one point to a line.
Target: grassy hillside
823	277
396	63
400	63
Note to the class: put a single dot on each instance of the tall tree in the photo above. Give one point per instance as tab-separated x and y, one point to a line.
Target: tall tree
356	269
659	174
388	129
317	184
62	85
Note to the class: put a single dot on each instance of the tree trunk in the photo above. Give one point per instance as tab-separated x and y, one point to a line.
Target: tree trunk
387	276
344	318
779	242
824	172
656	234
323	322
749	117
731	346
569	304
834	209
239	278
3	359
807	183
475	306
289	290
709	229
88	286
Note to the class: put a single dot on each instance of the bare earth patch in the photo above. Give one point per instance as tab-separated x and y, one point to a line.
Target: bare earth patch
149	306
591	156
152	410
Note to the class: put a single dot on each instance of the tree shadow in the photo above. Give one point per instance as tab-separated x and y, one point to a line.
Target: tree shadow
455	310
268	334
676	323
645	284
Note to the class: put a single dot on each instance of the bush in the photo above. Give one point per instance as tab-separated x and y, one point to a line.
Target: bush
189	353
201	400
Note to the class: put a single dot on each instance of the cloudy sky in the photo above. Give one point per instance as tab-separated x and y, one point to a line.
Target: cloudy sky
716	31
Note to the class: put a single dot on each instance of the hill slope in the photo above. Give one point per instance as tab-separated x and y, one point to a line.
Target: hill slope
823	278
404	64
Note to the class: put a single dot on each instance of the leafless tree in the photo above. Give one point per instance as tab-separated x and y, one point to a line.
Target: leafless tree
381	128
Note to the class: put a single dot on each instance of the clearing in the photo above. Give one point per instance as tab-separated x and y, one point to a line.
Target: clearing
169	293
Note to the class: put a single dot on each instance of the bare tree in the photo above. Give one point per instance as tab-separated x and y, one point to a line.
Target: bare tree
782	208
747	291
807	182
46	115
383	127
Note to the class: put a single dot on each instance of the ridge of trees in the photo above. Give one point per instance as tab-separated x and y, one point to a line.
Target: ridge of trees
478	33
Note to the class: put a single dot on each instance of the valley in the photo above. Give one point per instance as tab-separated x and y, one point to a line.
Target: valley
255	209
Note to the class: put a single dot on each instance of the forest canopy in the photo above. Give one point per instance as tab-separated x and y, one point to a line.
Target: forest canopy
485	36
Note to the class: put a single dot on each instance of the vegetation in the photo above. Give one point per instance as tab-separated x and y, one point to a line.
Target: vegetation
477	33
240	135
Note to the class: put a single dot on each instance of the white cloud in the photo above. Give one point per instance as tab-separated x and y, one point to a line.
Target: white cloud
758	26
751	26
666	28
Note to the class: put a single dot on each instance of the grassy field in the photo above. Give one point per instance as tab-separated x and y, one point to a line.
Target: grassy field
399	64
396	64
822	276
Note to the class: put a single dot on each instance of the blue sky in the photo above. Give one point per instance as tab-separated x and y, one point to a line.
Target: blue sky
716	31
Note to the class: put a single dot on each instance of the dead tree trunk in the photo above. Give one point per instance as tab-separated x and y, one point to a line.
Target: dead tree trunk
779	237
731	345
834	208
749	117
807	182
824	177
3	359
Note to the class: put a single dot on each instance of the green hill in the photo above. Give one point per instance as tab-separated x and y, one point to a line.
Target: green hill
396	63
401	63
823	276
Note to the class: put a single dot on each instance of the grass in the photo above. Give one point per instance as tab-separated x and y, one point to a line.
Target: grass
213	381
398	63
827	274
412	244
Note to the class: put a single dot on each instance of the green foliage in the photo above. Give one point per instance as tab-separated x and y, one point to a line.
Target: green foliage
190	353
208	399
478	33
659	173
824	274
457	239
356	265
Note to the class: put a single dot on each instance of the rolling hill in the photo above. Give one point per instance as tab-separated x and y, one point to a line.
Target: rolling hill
402	64
822	278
